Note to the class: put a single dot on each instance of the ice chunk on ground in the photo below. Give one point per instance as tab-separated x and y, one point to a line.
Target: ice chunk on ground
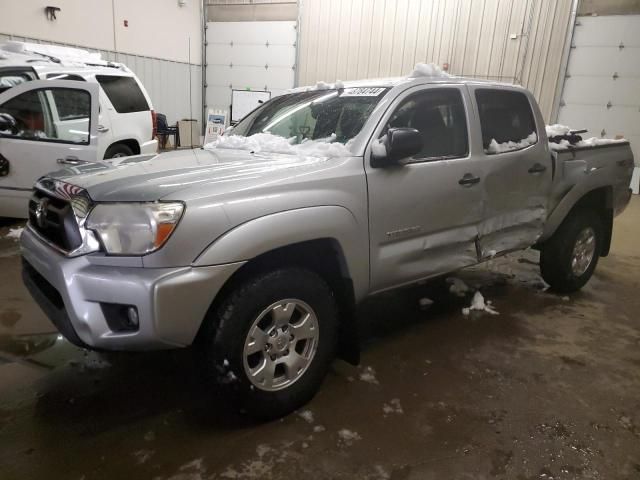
495	147
348	436
369	375
458	287
267	142
392	407
306	415
319	429
428	70
14	233
478	303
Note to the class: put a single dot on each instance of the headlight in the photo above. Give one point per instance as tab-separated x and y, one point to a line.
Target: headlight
134	228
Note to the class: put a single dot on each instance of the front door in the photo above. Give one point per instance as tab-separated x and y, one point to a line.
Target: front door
424	214
517	170
34	140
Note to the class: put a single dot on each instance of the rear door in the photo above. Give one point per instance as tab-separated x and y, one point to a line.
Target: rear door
424	214
33	142
517	169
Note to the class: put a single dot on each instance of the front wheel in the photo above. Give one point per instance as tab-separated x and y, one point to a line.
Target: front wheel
569	258
271	341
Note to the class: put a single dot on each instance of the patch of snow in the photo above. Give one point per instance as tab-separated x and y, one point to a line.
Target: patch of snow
392	407
150	436
557	130
142	456
225	363
594	142
566	299
382	473
328	86
267	142
458	287
495	147
425	302
478	303
14	233
378	147
319	429
428	70
306	415
556	147
369	375
348	436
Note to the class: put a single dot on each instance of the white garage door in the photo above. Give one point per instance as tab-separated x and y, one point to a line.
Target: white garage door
602	91
249	55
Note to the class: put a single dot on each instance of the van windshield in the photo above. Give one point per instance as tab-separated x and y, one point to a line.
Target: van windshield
313	115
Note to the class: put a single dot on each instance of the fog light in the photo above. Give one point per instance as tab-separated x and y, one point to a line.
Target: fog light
132	315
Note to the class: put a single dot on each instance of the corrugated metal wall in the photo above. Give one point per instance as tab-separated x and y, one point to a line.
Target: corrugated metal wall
517	41
166	81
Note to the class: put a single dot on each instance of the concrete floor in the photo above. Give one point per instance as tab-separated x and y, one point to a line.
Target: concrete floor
550	388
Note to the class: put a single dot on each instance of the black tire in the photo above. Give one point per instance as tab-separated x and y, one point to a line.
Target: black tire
118	150
224	335
557	252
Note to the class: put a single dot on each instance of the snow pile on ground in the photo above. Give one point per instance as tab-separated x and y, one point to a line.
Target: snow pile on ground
348	436
392	407
369	375
306	415
428	70
14	233
267	142
495	147
479	304
457	287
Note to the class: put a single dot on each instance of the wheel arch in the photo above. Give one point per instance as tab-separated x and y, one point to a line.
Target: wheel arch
132	143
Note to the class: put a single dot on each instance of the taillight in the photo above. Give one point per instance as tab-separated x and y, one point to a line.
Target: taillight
154	124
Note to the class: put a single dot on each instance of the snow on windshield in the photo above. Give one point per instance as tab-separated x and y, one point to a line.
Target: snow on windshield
267	142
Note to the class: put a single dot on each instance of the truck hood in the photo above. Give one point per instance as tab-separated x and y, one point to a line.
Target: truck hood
170	175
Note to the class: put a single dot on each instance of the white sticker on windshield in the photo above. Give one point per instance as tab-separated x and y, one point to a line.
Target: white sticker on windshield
362	92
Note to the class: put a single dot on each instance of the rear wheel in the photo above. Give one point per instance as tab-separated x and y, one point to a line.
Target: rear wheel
118	150
270	343
569	258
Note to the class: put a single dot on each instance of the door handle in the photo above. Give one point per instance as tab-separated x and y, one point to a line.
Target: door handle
102	129
537	168
70	160
469	180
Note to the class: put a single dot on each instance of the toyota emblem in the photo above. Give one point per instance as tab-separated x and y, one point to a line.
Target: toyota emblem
41	212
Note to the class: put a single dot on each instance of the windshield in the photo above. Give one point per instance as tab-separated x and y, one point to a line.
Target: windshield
313	115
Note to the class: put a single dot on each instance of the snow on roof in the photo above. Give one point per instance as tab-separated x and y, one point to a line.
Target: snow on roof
25	52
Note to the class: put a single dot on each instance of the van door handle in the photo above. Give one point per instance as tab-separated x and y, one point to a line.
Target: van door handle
469	180
537	168
102	129
70	160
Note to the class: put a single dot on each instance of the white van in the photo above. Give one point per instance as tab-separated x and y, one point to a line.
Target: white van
32	120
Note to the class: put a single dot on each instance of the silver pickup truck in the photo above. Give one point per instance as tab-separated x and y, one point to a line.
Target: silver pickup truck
257	248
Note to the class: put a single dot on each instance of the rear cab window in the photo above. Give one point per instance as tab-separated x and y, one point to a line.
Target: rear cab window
506	121
123	93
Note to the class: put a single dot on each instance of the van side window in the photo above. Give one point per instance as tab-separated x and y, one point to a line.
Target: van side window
506	120
439	116
124	93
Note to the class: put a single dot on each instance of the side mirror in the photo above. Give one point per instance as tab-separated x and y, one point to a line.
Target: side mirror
398	143
7	123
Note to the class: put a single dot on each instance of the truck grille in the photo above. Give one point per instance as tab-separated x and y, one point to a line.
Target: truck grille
53	219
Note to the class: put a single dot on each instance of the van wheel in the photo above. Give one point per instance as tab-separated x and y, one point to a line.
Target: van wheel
118	150
271	342
568	259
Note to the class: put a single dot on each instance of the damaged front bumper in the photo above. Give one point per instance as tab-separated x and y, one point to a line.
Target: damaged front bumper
79	296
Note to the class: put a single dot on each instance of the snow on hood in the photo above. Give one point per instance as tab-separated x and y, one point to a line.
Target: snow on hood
428	70
267	142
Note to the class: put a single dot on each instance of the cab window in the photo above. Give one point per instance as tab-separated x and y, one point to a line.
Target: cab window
439	116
